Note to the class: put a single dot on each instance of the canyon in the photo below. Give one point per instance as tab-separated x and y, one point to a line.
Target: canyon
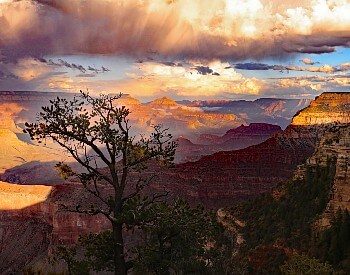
268	110
234	139
184	118
32	217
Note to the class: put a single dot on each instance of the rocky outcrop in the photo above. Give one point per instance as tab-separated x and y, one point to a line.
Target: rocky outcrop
260	131
327	108
32	222
215	181
182	120
328	118
335	145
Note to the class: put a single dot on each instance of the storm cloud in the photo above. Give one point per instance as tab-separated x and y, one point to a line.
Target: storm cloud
204	29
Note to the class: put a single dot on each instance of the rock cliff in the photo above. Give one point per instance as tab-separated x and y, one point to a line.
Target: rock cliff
326	108
219	179
224	177
32	222
334	146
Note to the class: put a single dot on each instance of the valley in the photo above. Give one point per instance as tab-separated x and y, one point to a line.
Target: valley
222	179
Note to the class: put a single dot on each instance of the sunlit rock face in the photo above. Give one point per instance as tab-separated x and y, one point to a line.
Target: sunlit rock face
8	112
16	197
32	222
335	145
180	119
183	118
15	152
16	148
326	108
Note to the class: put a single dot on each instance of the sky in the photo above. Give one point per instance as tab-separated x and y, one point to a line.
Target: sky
182	49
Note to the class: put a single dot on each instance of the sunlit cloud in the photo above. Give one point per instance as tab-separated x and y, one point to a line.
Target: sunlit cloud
226	29
185	48
307	86
190	80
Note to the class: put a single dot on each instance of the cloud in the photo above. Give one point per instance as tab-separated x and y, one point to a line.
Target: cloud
328	69
81	68
26	74
6	75
308	61
306	86
151	79
29	69
192	80
205	70
104	69
204	29
252	66
86	75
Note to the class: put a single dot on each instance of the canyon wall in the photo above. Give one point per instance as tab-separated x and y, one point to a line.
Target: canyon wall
224	177
33	222
333	148
326	108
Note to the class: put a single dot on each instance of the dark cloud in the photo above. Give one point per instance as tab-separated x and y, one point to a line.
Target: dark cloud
171	64
81	68
253	66
93	69
310	49
316	69
104	69
205	70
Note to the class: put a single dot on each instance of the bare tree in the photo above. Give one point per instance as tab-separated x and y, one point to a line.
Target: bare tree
97	134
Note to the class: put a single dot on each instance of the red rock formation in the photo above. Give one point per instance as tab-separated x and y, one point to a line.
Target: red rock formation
219	179
234	139
222	178
32	222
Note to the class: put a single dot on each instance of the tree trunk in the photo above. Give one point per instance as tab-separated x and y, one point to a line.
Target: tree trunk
119	257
